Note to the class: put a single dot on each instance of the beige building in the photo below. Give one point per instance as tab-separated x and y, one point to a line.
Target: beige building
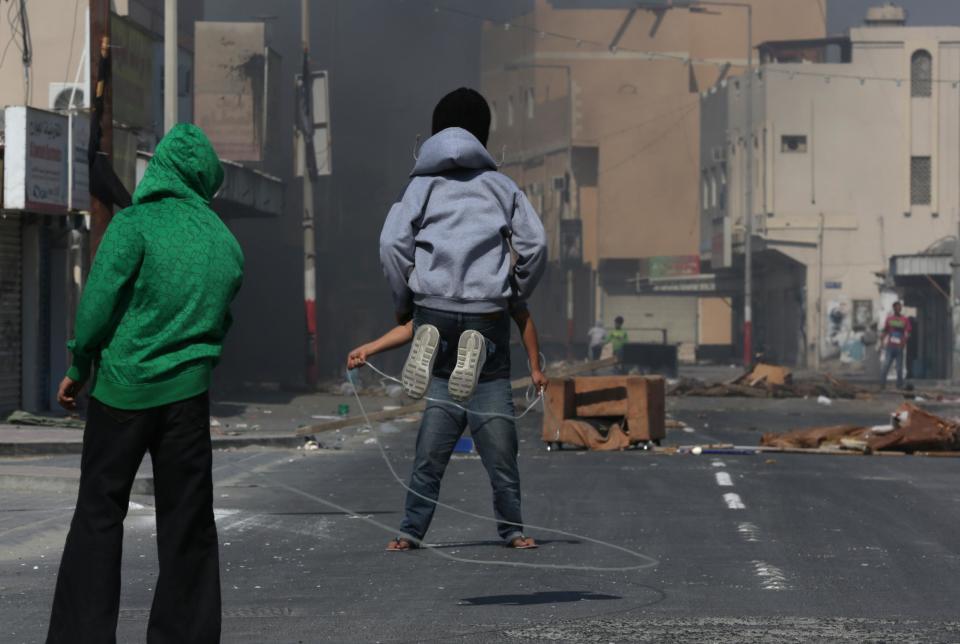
40	249
856	163
597	116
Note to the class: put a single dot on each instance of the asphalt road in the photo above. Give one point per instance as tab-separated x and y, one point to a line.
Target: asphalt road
785	548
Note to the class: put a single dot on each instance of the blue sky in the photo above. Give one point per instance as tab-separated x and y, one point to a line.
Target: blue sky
843	14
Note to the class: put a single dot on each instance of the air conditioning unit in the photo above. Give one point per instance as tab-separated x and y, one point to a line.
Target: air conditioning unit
67	96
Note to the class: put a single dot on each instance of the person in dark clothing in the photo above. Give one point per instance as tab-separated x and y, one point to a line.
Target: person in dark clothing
462	251
152	319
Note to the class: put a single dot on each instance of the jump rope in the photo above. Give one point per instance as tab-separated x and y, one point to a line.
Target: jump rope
532	401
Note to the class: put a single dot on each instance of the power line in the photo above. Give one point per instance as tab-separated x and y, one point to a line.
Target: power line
685	60
73	36
643	148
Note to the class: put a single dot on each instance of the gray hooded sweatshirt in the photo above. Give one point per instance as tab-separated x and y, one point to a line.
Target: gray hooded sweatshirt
447	243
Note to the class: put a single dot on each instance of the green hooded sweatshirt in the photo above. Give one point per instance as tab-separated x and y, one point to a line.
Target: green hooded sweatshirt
155	309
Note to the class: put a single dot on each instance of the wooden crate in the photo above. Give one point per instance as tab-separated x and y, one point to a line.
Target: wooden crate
638	403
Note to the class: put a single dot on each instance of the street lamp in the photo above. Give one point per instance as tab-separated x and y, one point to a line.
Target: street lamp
569	271
701	6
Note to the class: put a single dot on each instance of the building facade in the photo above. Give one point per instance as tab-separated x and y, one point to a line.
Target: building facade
856	159
597	118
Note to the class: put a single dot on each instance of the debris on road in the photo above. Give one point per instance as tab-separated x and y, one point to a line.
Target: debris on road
769	381
604	412
912	430
33	420
766	374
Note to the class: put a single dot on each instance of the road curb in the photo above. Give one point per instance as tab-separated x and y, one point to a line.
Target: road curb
60	448
56	479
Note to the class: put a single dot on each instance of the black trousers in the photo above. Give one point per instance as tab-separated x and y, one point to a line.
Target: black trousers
186	602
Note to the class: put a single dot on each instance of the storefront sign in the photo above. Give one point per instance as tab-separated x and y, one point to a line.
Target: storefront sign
230	87
35	172
46	168
672	266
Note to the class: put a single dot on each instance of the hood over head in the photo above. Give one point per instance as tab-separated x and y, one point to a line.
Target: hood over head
184	166
452	149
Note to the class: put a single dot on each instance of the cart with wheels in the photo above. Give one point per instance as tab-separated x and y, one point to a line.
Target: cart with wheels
632	408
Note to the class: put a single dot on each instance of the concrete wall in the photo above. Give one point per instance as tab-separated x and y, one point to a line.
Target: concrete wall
854	175
642	115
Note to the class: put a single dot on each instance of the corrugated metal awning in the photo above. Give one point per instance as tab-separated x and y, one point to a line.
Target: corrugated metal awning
902	265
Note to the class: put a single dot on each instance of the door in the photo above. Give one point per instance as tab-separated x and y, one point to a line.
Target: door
10	297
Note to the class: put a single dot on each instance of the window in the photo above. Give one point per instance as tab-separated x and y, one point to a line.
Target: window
705	191
920	173
723	186
713	190
510	112
493	116
530	103
793	143
921	74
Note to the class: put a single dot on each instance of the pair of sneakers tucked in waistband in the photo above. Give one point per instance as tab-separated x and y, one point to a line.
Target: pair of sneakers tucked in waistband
418	369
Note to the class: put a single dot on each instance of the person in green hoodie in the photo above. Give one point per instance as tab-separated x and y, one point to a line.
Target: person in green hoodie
151	324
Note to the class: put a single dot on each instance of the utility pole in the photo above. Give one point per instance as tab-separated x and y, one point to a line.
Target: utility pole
568	211
748	213
309	224
702	6
100	212
955	310
171	92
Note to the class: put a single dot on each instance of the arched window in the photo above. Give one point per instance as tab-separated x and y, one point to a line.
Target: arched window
921	73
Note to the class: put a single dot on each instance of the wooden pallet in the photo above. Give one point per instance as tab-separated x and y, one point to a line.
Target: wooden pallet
636	403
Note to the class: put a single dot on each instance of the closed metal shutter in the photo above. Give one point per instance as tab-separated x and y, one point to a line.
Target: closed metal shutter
10	336
646	317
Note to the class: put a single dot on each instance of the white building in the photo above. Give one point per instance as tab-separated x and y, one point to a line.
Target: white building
855	162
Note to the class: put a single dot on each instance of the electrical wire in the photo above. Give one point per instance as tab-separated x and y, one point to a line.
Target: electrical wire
679	58
73	38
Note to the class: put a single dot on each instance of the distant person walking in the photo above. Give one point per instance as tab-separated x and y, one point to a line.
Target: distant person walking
597	336
618	339
152	319
896	332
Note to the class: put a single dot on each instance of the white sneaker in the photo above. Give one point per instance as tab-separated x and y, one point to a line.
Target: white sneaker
471	356
418	369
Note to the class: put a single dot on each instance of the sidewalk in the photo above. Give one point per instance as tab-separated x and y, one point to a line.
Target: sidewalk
243	419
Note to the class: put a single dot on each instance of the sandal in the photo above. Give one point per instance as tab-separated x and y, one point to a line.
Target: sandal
522	543
401	544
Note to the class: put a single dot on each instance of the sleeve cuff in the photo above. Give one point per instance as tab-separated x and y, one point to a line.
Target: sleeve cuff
79	371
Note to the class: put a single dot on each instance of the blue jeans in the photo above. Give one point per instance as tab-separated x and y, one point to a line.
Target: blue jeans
496	441
891	355
495	327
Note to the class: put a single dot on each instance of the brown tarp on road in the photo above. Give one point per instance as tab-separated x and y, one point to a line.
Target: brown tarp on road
584	434
914	430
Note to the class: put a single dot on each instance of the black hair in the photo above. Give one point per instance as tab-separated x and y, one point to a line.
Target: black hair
465	108
618	320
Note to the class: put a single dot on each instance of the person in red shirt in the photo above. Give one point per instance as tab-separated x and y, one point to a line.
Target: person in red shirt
896	332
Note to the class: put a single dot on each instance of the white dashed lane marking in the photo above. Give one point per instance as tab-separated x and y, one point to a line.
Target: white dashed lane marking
733	501
723	479
771	577
749	531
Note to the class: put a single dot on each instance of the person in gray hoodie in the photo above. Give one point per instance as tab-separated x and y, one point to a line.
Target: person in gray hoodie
462	251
